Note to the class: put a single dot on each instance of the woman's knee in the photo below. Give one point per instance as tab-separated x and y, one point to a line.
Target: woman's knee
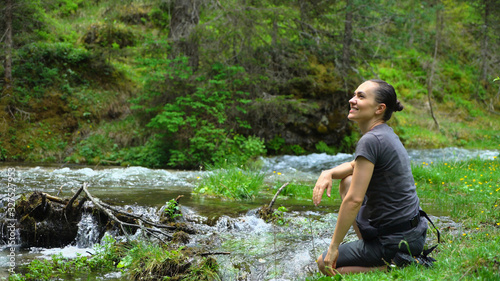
321	263
344	185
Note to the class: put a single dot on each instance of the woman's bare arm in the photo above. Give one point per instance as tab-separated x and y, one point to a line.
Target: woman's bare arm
324	181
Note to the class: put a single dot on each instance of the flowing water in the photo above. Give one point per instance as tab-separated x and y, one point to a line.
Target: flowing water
259	250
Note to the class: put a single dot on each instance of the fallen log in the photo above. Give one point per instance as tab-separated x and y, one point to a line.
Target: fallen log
44	220
110	215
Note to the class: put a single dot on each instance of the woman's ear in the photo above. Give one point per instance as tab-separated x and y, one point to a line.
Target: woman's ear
380	108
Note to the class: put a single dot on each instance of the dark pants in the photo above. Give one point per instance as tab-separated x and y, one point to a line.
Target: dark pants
373	253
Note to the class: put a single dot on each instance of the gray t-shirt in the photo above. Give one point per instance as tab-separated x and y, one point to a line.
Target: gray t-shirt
391	197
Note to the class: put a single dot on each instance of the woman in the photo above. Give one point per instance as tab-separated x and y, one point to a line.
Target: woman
380	183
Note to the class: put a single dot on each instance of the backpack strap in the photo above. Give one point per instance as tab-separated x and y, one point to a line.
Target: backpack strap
428	251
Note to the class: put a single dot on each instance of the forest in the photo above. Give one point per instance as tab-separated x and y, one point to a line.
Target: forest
189	83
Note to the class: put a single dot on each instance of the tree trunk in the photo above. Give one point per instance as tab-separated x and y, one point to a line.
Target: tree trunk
8	49
346	49
185	17
439	27
483	75
346	45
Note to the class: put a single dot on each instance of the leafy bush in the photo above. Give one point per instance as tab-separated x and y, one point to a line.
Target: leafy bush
108	34
276	144
151	154
196	117
324	148
42	66
92	150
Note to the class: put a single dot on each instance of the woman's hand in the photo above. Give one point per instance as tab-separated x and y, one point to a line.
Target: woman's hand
330	260
324	182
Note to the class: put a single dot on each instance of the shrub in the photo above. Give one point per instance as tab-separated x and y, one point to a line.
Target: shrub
197	117
107	34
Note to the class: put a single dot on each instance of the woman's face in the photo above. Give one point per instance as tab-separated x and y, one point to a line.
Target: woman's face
363	104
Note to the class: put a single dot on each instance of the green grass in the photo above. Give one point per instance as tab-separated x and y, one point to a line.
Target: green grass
231	182
457	127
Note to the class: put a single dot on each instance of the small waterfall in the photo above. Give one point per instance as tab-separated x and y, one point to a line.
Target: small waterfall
88	232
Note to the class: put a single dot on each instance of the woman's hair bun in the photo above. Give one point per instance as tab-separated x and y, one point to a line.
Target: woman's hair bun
398	106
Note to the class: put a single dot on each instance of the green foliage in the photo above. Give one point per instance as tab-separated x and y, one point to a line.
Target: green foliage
109	34
255	61
205	110
294	149
3	152
50	65
279	215
148	260
348	143
64	8
140	260
92	149
172	210
276	144
207	270
240	150
148	155
324	148
231	182
160	16
59	267
296	190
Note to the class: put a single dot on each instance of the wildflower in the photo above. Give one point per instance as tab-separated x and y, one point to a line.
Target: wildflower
464	234
279	173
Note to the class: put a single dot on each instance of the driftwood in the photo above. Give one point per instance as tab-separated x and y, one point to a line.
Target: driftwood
214	253
45	220
108	211
266	212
